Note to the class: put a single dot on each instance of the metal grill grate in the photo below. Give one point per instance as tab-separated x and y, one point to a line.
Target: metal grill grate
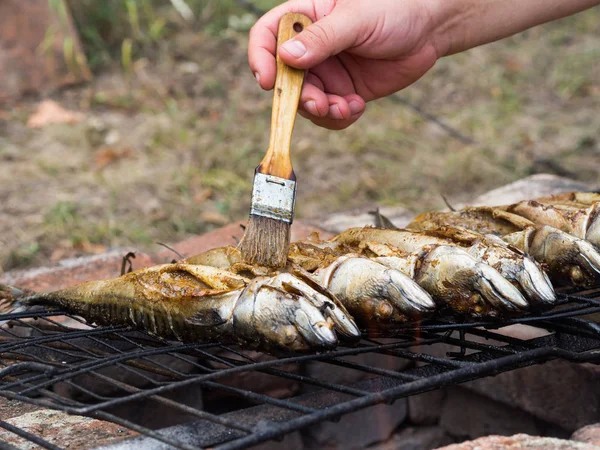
104	368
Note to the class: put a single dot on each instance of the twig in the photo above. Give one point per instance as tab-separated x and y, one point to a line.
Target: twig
450	207
447	128
172	249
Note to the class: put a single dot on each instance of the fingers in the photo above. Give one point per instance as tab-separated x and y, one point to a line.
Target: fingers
263	38
334	29
326	37
329	110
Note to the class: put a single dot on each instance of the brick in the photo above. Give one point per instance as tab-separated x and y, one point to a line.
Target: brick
415	438
358	429
230	235
292	441
23	31
343	375
519	442
559	392
468	415
72	271
589	434
425	409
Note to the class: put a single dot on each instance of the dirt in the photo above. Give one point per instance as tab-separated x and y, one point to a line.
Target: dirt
167	149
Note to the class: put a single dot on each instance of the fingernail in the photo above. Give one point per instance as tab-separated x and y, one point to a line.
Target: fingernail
295	48
355	107
257	76
334	112
311	107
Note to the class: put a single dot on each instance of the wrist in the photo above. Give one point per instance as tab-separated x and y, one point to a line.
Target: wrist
449	19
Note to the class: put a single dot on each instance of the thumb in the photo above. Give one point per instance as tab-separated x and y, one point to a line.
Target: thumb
324	38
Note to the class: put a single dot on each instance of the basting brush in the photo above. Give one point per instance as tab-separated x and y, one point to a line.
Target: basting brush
267	236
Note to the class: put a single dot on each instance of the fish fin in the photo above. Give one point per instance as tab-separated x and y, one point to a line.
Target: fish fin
381	221
210	318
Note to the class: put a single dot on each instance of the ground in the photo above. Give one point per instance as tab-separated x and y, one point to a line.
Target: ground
167	148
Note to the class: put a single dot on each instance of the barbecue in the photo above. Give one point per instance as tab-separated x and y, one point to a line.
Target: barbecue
102	371
39	354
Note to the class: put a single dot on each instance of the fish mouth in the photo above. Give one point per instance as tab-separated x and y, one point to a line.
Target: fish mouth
344	325
317	333
536	284
498	291
589	257
407	295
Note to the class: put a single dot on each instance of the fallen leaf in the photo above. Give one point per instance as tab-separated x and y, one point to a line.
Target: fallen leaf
214	218
513	65
203	195
107	155
49	113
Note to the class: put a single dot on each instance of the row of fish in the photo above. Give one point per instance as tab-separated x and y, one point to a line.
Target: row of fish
477	263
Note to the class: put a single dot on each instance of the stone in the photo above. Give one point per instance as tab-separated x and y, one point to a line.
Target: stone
425	409
358	429
468	415
60	428
359	217
539	185
14	408
519	442
415	438
589	434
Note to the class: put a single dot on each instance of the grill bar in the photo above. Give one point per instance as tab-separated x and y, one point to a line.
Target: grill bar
55	354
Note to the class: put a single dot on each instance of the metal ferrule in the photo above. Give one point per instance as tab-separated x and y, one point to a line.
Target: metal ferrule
273	197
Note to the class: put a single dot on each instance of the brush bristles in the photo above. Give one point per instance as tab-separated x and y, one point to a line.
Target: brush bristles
265	242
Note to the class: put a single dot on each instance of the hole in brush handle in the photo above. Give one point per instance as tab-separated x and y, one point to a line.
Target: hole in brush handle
298	27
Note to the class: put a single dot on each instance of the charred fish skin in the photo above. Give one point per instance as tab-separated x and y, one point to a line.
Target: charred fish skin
487	250
579	220
194	303
376	295
569	260
513	264
460	285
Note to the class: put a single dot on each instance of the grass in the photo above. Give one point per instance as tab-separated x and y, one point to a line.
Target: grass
186	127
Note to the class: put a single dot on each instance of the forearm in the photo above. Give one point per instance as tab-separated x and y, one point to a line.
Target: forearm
464	24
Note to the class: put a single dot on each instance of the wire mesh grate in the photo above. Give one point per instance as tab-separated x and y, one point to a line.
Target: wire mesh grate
100	372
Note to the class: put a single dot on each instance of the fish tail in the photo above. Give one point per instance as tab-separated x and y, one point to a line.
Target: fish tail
12	301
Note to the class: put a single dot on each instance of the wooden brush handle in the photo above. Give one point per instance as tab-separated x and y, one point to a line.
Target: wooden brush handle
286	95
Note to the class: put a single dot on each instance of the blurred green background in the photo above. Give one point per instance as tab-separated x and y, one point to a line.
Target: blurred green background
174	124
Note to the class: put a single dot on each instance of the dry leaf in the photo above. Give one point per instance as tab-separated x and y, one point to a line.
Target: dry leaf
214	218
513	65
49	113
108	155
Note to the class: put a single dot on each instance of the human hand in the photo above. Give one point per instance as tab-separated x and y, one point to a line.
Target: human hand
355	51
